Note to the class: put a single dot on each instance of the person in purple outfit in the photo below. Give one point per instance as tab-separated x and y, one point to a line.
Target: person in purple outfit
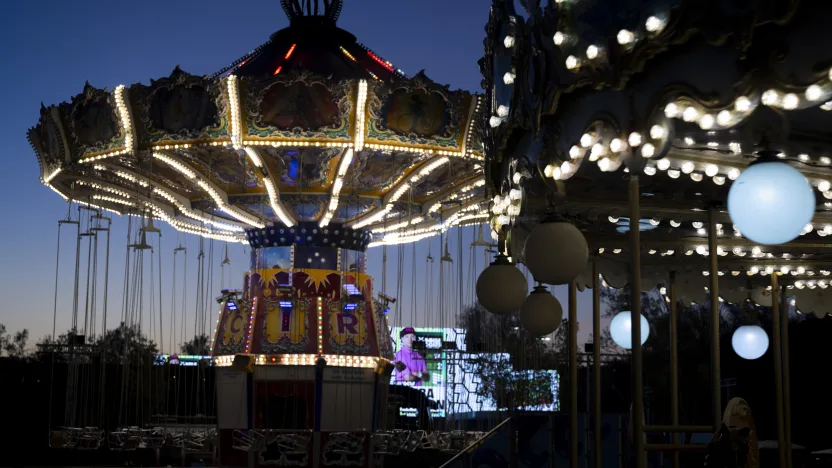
410	365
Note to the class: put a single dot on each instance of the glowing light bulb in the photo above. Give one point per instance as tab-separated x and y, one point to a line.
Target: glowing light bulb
791	101
813	93
587	140
625	37
770	97
654	24
711	170
706	122
571	62
742	104
657	132
592	52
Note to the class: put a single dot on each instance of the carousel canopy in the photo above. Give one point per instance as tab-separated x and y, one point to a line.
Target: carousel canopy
311	126
685	94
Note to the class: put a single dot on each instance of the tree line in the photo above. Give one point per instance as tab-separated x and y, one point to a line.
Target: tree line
121	342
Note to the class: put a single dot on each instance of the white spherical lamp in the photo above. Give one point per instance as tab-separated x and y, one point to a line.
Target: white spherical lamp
556	252
541	312
750	342
771	202
621	329
501	287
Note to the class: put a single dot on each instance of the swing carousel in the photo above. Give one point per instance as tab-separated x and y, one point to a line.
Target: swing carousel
308	150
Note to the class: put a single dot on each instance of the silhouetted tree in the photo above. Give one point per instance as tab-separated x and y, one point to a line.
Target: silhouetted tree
121	344
199	345
510	363
14	345
126	342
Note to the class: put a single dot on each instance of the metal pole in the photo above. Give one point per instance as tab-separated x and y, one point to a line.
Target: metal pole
635	303
573	374
716	379
778	368
674	364
596	363
787	404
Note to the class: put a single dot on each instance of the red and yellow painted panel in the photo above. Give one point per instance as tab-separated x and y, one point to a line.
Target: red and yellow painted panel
286	319
350	329
232	329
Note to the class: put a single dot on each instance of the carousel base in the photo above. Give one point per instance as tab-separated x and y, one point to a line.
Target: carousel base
258	447
134	438
265	447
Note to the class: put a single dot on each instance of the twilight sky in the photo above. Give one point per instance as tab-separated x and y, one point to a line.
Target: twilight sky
50	48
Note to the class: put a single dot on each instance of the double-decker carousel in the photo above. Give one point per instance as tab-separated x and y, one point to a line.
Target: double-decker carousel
310	149
673	144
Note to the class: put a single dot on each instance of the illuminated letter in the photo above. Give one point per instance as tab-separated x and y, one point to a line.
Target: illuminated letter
347	322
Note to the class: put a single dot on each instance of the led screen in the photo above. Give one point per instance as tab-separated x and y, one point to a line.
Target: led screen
435	361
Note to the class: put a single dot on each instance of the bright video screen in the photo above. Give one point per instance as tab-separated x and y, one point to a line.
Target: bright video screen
435	361
180	360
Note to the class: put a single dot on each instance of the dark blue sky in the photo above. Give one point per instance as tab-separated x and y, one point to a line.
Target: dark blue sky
50	48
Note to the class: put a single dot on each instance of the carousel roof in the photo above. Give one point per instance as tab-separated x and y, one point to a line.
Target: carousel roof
309	127
314	43
582	96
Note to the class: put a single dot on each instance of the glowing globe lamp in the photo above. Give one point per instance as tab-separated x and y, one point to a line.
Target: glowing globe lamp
771	202
621	329
750	342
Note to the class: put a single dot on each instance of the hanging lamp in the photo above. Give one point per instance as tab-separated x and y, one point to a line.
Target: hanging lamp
621	326
541	312
771	202
750	341
556	251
